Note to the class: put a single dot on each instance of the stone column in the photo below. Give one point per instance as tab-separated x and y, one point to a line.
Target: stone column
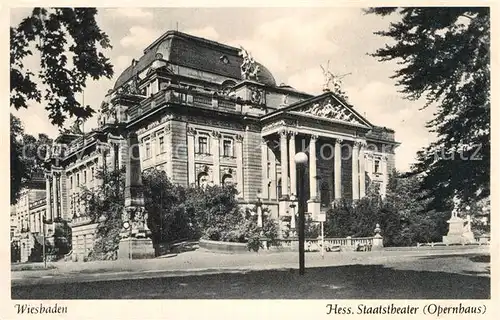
355	171
337	167
62	193
55	198
362	182
284	163
293	170
265	168
190	153
385	178
169	148
238	149
216	157
272	175
313	185
48	198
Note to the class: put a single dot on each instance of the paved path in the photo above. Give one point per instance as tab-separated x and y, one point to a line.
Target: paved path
450	274
203	262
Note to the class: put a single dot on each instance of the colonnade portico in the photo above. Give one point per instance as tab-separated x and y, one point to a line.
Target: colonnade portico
287	145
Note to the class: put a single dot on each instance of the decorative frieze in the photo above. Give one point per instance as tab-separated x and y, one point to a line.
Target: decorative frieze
156	123
331	110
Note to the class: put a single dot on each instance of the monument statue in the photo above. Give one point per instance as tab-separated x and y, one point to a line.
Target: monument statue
456	205
249	67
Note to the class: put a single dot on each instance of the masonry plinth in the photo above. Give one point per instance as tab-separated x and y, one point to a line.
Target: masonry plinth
135	248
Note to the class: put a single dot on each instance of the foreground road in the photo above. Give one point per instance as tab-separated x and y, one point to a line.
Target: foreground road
423	275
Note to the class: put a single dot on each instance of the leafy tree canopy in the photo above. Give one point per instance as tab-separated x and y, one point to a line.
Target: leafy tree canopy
444	54
70	44
26	157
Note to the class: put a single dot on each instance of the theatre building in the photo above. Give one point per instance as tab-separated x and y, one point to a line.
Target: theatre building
208	113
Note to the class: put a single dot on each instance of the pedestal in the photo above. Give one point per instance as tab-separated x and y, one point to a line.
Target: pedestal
314	208
378	242
455	231
135	248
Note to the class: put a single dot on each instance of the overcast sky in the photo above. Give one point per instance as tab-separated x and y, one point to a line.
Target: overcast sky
291	43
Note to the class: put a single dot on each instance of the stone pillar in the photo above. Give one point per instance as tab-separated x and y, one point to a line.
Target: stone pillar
48	197
238	149
284	164
190	153
272	175
293	170
55	198
337	167
378	240
385	178
265	169
216	157
169	148
362	182
62	194
313	204
313	185
134	243
355	171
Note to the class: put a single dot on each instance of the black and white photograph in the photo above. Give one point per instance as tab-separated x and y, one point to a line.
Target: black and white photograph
251	153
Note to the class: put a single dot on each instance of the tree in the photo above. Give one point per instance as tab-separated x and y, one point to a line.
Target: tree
105	206
26	157
18	170
445	57
168	218
70	44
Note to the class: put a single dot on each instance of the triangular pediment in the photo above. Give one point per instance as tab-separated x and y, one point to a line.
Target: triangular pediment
325	107
329	108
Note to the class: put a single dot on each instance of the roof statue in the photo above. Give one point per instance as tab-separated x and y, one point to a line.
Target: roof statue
76	128
333	82
249	68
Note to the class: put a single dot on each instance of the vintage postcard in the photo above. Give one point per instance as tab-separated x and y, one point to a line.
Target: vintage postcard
320	161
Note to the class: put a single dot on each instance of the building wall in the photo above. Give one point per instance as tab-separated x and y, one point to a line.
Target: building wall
252	164
178	155
83	236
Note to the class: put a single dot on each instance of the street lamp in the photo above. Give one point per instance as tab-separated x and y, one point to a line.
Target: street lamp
293	199
126	226
301	161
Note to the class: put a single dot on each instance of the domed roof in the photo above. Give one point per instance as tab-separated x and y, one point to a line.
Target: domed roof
194	52
265	76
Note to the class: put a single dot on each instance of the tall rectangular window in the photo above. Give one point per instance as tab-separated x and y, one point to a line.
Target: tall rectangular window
84	176
148	150
92	174
227	148
377	166
203	145
161	144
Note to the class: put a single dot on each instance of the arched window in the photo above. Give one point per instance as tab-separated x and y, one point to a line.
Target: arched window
203	179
